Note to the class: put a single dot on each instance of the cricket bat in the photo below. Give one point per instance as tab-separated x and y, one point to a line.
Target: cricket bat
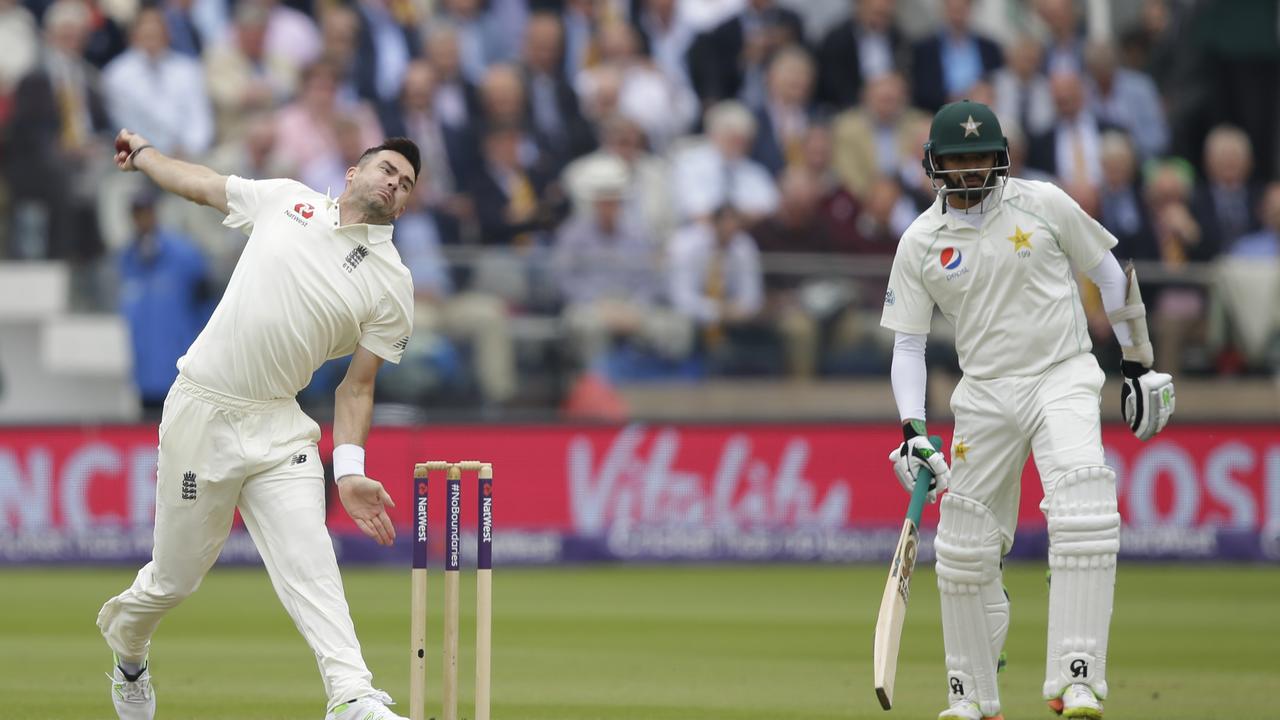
897	590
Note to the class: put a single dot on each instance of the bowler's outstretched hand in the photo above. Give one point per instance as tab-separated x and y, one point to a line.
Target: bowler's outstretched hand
126	142
366	502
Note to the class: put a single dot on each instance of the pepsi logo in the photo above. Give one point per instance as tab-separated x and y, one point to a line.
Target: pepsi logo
306	210
950	258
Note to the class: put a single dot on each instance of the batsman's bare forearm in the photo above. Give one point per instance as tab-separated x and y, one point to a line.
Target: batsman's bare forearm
196	183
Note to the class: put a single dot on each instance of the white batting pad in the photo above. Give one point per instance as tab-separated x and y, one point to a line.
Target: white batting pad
1084	537
975	612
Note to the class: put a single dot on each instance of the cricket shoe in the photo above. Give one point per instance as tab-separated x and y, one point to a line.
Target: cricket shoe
370	707
966	710
133	697
1079	702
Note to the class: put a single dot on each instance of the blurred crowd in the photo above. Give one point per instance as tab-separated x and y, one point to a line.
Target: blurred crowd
637	189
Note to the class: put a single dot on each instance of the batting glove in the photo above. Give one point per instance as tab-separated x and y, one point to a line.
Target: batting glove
914	453
1147	399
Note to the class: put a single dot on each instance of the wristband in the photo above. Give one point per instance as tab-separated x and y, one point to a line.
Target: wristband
134	154
913	428
348	459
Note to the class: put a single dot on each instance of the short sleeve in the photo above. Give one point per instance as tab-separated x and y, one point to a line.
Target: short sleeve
245	199
908	306
386	333
1082	238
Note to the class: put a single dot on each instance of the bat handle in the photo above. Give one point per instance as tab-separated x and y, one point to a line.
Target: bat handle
920	493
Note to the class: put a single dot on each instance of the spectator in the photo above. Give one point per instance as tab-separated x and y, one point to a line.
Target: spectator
1265	243
1022	94
662	106
479	34
510	198
291	33
340	38
457	100
877	138
728	61
797	226
243	79
716	283
1126	99
1122	211
158	93
1151	45
1225	205
165	298
307	128
1064	52
502	102
1179	307
718	172
327	171
20	40
581	49
184	36
648	194
476	319
606	265
387	42
106	37
665	36
453	154
784	118
1070	149
51	137
552	102
944	67
1248	285
857	51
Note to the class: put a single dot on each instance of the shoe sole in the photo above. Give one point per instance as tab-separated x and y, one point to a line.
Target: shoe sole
1075	713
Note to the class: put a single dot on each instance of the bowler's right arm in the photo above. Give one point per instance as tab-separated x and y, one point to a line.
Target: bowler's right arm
196	183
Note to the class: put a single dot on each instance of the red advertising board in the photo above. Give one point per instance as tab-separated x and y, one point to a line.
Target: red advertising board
589	481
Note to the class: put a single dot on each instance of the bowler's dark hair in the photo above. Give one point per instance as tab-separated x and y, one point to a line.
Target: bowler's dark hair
402	145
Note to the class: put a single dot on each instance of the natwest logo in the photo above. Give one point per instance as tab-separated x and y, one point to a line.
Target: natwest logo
306	210
633	483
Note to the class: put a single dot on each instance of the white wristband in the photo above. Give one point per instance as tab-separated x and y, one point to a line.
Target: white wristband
348	459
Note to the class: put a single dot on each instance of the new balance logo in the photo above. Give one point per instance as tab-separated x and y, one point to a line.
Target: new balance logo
401	344
298	459
354	258
188	485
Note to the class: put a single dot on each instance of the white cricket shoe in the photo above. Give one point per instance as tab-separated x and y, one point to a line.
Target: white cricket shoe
370	707
966	710
1077	702
134	699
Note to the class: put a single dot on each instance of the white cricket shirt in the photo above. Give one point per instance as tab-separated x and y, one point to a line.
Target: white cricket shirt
1008	286
304	291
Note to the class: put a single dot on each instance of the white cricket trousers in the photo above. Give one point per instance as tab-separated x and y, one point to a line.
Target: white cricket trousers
218	453
1054	416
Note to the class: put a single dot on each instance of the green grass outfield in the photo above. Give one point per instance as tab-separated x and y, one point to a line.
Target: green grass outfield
651	643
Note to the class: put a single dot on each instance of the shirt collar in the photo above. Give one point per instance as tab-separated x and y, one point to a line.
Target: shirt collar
373	234
949	220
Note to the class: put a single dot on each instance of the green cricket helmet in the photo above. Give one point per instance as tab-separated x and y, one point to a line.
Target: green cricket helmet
965	127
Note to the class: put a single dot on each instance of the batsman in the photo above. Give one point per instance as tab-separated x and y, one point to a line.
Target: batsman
998	255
